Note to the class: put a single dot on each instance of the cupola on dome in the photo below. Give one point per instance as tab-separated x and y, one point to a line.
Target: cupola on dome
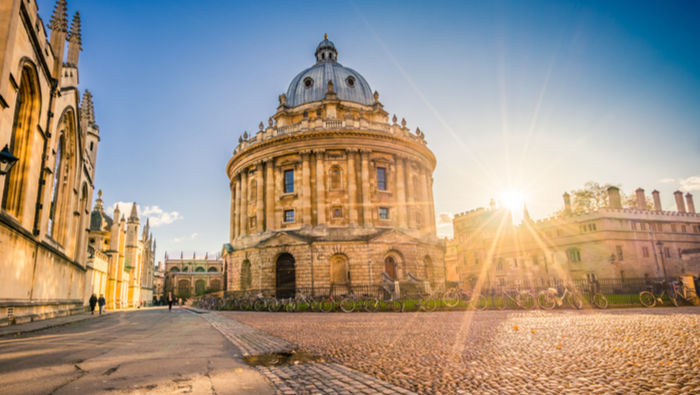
312	84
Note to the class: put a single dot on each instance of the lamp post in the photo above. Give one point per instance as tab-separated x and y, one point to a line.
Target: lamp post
7	160
661	252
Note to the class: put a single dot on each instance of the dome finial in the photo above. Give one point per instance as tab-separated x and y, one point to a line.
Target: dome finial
325	35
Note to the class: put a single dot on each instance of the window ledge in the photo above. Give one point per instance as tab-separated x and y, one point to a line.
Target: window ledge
288	195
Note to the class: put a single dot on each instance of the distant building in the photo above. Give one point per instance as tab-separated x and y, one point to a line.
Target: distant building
610	242
159	281
191	277
130	259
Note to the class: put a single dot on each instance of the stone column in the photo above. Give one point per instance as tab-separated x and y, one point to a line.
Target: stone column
366	204
244	203
232	226
400	191
270	195
431	204
410	196
352	187
320	189
305	189
260	204
425	202
238	205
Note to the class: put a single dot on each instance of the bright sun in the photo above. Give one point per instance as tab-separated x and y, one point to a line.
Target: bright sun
513	200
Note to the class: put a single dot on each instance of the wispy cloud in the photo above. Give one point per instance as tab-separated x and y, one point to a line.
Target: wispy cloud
155	214
444	219
690	184
667	180
178	239
193	235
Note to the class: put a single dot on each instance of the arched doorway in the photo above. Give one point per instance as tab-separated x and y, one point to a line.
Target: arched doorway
390	266
286	276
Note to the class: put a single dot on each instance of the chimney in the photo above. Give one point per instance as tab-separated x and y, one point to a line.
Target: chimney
614	197
657	200
641	200
689	201
680	204
567	203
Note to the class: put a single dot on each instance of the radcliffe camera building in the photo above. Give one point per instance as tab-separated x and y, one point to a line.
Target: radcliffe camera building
331	192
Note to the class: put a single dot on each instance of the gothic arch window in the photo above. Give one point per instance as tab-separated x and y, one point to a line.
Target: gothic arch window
199	287
183	287
26	117
83	210
339	269
213	269
174	270
55	187
199	269
60	214
336	177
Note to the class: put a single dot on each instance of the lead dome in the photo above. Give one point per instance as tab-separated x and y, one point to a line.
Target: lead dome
312	84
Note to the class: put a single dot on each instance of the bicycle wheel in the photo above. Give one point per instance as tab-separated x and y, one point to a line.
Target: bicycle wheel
450	299
327	305
500	301
575	301
290	306
347	304
259	305
245	305
673	296
692	298
274	306
397	305
478	302
647	299
546	301
371	305
526	301
600	301
429	304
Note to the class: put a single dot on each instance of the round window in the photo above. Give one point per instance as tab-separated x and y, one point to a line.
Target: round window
308	82
350	81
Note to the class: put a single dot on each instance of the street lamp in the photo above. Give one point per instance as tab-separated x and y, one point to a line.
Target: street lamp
661	252
7	160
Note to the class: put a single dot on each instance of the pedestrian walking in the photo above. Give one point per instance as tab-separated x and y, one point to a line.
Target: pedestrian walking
170	301
101	301
93	303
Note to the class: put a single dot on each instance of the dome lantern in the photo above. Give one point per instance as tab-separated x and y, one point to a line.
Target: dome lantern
326	52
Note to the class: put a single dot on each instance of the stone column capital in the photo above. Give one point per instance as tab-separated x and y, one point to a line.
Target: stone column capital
351	150
305	154
320	151
270	161
365	153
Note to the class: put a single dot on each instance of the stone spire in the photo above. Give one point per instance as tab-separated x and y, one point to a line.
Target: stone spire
75	41
87	109
98	203
134	216
116	212
59	26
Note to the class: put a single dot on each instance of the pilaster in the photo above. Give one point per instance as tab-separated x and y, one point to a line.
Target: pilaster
410	196
352	187
400	191
270	195
320	188
244	203
260	193
305	189
366	203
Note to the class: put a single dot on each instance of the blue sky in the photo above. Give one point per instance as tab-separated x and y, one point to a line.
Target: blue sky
535	97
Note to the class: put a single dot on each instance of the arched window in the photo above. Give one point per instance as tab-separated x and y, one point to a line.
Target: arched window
246	275
199	269
336	177
213	269
174	270
339	269
183	287
56	184
199	286
390	266
26	117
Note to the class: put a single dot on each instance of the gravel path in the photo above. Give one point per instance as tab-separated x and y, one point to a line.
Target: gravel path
631	351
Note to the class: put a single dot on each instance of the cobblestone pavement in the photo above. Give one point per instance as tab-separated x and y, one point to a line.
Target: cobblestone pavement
306	379
630	351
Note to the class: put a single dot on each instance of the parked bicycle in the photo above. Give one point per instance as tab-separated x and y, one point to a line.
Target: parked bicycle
685	293
455	296
520	298
594	297
366	301
550	298
656	292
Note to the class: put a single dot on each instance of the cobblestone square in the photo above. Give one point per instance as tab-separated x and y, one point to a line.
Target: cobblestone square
630	351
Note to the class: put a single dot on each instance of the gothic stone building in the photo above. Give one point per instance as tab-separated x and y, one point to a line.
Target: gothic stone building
331	193
46	196
610	242
130	260
189	277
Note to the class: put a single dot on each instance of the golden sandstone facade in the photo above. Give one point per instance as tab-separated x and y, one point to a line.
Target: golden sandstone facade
331	193
46	196
611	242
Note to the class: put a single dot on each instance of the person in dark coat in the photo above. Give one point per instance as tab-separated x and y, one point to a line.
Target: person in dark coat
170	301
93	303
101	301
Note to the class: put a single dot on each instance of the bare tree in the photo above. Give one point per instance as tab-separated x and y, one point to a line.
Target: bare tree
594	196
